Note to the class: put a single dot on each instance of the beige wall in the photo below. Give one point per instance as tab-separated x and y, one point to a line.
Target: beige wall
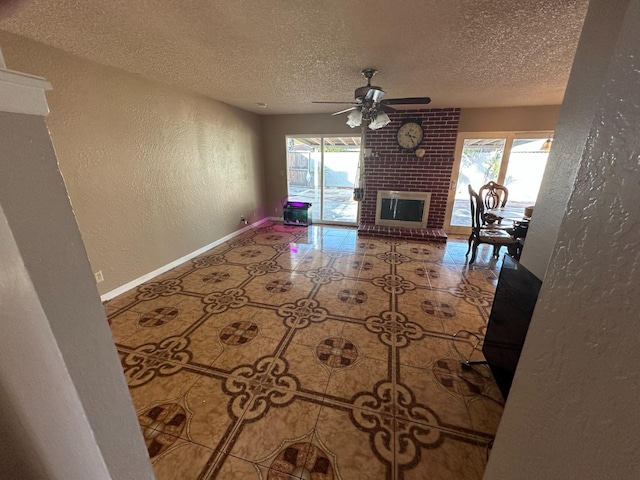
153	172
516	119
274	130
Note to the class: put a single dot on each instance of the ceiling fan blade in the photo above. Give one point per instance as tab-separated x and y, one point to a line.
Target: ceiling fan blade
386	108
407	101
344	111
340	103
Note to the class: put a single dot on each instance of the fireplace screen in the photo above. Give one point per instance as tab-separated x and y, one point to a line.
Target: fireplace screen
399	209
402	209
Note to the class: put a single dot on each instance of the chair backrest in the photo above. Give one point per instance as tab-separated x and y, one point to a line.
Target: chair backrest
477	209
493	195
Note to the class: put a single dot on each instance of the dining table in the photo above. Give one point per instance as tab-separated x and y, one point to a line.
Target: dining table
510	214
515	218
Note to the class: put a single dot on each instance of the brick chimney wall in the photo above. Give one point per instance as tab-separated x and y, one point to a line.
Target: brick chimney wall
392	169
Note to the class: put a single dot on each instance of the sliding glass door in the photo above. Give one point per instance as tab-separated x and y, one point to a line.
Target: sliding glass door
515	160
322	171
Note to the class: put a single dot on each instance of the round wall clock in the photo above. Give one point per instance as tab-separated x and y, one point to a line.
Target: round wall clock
409	134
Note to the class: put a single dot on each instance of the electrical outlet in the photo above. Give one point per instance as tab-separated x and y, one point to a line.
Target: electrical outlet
243	220
99	276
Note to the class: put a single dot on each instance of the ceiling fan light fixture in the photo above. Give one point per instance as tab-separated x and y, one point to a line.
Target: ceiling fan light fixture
354	119
380	121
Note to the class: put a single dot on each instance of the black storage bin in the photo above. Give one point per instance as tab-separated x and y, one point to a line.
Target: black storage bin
297	213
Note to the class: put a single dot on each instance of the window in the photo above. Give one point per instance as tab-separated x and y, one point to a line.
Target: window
514	160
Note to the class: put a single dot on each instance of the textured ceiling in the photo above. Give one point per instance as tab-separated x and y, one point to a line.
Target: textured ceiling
285	53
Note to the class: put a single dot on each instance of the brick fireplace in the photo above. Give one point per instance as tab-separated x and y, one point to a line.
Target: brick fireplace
388	168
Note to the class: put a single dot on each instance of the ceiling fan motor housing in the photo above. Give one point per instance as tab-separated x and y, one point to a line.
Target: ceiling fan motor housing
369	90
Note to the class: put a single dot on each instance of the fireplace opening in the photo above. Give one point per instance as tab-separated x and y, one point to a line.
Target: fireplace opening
402	209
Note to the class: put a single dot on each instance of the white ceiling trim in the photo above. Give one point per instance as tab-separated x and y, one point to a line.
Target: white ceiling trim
22	93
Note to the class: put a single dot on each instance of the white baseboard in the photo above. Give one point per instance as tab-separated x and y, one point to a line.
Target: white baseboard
134	283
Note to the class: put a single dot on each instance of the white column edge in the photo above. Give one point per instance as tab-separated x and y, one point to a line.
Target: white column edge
23	93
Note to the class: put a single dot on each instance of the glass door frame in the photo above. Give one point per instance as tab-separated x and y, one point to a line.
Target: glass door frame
321	176
504	163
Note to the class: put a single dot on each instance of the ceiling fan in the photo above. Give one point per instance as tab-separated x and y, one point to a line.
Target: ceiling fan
369	105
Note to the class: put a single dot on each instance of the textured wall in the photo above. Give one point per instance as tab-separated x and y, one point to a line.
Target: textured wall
515	119
153	172
588	73
392	169
274	130
573	408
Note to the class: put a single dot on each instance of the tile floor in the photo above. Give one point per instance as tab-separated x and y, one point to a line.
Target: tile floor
310	353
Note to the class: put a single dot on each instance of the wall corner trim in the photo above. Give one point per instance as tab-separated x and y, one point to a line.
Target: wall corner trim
23	93
159	271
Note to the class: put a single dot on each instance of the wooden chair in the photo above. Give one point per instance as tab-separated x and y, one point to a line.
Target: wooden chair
493	195
484	233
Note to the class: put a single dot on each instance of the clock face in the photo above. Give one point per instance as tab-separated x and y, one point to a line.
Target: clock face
409	135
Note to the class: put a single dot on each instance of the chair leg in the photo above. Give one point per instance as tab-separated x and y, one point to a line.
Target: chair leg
496	250
470	240
475	251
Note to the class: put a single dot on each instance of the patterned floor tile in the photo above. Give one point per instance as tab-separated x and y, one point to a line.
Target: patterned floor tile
218	277
367	339
355	299
465	298
124	324
485	409
157	341
211	412
295	353
237	352
279	288
421	315
359	374
451	460
371	267
182	460
421	351
234	467
205	344
311	373
439	390
354	449
160	386
475	324
277	427
316	332
251	254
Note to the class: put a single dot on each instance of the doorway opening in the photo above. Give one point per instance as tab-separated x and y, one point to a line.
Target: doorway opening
322	170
